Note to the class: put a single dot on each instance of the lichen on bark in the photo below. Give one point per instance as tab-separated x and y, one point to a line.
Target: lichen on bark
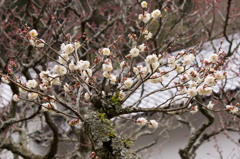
106	143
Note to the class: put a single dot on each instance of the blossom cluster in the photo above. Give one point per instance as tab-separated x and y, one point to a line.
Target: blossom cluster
156	67
146	17
33	39
107	69
192	82
50	106
74	122
5	79
232	109
142	121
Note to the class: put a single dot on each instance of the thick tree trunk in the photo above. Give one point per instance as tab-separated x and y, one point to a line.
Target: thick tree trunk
107	144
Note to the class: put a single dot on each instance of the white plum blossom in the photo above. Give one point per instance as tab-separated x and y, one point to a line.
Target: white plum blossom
210	105
112	78
32	96
83	65
182	54
136	70
191	57
157	79
180	69
156	13
107	67
183	90
160	59
192	92
122	64
173	65
87	96
63	58
5	79
219	75
192	74
66	87
140	17
60	70
72	66
153	67
16	98
134	52
200	90
153	124
33	33
194	110
166	73
49	106
208	91
77	44
188	59
106	74
38	43
87	79
68	49
142	71
142	47
146	17
62	46
22	90
51	99
106	51
141	121
121	94
75	122
171	59
213	58
235	110
47	83
232	109
44	75
150	59
199	80
148	36
32	84
193	84
145	32
144	4
128	83
209	80
55	80
32	42
43	87
88	72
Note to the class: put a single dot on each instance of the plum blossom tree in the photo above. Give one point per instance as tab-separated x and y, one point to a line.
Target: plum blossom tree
74	65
